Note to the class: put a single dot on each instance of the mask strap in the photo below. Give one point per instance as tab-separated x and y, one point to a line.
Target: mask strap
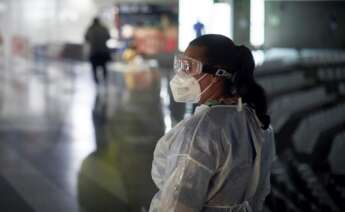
201	78
208	87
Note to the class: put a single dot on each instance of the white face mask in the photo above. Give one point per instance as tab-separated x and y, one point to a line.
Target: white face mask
187	89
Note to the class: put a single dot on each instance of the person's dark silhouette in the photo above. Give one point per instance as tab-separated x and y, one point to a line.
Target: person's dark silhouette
96	36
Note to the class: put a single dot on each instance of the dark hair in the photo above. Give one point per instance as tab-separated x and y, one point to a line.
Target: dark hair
222	52
96	20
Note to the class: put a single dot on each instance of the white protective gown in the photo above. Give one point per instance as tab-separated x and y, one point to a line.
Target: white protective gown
218	160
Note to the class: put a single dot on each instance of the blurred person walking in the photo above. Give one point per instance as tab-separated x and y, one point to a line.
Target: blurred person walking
96	36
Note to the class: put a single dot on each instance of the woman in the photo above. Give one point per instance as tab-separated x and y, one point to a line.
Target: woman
220	158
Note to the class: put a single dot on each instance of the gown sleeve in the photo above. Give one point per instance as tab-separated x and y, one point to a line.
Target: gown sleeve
189	168
264	186
194	157
185	190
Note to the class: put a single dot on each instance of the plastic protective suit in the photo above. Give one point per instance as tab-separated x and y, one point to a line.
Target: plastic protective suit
218	160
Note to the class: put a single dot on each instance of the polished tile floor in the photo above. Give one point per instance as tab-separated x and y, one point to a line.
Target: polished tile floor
69	145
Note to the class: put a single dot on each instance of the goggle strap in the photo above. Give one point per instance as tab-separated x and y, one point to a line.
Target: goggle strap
217	72
223	73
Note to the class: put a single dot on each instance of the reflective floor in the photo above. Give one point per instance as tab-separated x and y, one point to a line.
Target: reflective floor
69	145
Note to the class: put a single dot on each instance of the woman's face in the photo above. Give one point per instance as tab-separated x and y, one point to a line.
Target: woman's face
199	53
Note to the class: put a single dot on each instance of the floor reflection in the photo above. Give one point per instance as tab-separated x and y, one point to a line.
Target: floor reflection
116	176
67	145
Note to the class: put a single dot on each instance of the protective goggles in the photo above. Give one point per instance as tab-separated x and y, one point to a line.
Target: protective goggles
190	66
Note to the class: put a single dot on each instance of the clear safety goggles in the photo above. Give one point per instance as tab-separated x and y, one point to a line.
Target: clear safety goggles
192	67
187	65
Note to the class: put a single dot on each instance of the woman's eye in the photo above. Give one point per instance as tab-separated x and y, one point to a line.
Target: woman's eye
185	66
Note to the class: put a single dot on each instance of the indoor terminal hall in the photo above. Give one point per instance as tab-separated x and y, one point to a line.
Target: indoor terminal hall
121	105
